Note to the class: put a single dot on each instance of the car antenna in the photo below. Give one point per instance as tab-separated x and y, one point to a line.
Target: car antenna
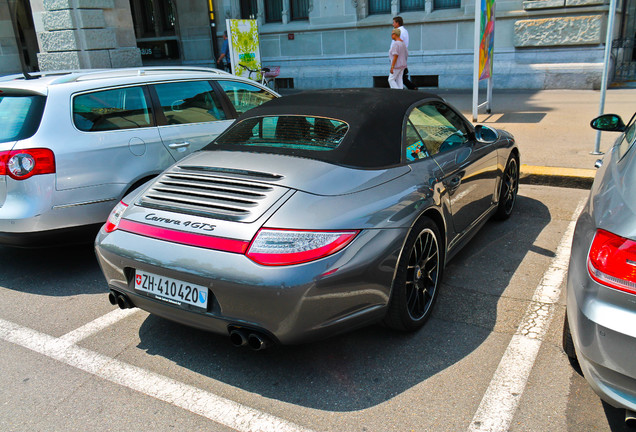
13	13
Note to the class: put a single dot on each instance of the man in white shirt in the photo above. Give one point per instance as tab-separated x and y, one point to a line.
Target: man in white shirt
398	55
398	23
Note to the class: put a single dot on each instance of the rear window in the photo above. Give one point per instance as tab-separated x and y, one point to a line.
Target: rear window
122	108
285	132
20	116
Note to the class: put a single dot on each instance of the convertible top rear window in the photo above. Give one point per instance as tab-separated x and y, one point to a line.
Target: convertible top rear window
289	132
368	127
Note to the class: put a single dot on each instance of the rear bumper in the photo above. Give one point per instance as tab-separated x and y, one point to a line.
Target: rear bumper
34	214
293	304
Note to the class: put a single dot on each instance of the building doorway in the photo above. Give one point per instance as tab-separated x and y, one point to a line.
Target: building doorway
156	30
624	48
26	38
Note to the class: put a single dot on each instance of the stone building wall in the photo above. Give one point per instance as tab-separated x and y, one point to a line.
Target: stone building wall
86	34
538	44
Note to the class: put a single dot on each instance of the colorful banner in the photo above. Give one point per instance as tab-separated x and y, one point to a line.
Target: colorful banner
245	52
487	39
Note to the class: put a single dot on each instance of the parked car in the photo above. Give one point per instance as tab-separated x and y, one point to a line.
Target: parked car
600	325
311	216
72	144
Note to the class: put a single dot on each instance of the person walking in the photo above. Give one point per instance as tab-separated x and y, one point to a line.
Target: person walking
398	23
224	59
398	55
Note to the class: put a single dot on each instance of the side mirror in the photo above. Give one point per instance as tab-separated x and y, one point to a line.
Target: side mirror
609	123
486	134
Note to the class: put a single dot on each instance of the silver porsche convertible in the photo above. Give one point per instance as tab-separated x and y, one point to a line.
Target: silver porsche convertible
313	214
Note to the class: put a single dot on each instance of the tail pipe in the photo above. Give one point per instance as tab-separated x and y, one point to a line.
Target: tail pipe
118	299
245	337
258	341
238	338
630	418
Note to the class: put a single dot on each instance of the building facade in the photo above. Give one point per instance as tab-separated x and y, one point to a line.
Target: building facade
329	43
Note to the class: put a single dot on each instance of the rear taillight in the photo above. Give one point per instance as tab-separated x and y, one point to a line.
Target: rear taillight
276	247
612	261
115	217
22	164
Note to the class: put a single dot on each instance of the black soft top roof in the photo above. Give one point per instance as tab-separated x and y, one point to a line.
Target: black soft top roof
375	117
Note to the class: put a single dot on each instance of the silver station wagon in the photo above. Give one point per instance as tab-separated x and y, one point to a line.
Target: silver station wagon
72	144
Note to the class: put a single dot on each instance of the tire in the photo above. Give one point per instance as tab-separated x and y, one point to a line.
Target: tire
508	190
568	343
416	285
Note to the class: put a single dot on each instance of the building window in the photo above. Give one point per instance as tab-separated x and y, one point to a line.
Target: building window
299	9
411	5
379	7
273	11
446	4
249	9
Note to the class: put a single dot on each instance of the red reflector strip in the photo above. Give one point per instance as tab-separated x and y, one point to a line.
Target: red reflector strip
186	238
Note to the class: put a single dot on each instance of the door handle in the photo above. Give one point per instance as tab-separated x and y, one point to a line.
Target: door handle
179	145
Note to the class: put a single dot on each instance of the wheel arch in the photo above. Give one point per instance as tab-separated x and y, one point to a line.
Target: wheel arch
434	214
138	183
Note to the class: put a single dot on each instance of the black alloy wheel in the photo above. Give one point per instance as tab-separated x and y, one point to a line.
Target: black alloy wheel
417	281
508	190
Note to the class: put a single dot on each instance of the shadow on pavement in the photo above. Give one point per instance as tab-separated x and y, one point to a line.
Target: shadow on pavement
55	271
370	366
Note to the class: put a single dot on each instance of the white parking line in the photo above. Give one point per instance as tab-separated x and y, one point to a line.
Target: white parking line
502	397
97	325
215	408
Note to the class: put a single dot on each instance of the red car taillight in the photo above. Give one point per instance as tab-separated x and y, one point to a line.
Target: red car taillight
22	164
276	247
612	261
115	217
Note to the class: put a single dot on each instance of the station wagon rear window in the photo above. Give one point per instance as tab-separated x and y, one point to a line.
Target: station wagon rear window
285	132
20	116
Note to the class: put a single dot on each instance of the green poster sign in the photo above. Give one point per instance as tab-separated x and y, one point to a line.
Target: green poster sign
245	52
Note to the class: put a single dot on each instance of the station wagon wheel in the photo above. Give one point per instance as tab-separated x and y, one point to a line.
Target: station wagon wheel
416	285
568	344
508	190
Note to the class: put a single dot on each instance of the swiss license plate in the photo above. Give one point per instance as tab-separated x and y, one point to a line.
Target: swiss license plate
171	290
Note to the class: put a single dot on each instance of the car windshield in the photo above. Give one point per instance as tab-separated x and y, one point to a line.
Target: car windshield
19	116
285	132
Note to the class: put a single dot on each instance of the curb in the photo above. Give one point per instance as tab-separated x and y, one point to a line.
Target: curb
577	178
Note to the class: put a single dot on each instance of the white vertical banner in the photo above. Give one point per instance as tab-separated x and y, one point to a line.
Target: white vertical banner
245	53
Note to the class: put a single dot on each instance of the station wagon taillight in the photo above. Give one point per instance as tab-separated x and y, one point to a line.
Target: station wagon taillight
612	261
22	164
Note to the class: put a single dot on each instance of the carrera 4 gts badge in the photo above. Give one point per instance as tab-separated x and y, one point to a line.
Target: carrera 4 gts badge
176	222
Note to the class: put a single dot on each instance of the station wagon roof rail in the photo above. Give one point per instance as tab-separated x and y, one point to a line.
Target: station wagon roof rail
92	74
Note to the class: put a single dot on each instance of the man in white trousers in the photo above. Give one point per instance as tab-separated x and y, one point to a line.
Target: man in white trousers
398	55
398	23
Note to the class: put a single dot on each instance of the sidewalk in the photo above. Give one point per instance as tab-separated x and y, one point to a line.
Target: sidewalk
552	128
